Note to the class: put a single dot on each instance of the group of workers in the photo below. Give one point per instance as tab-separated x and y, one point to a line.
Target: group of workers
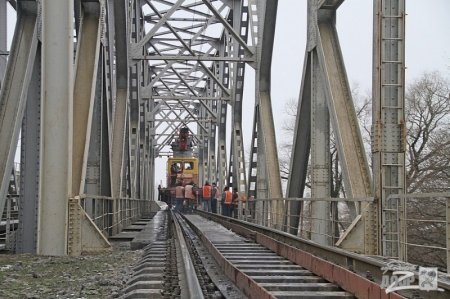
190	197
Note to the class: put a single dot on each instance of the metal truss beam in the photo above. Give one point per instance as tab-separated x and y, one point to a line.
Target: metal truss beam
301	147
330	4
84	96
3	39
14	93
120	35
182	58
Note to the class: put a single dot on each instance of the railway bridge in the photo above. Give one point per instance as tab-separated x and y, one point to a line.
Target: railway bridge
94	92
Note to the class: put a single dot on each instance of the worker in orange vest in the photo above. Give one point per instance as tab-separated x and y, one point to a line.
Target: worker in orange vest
189	195
227	198
179	196
206	190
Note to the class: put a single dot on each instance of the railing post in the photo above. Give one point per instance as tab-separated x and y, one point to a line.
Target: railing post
403	234
8	223
240	209
259	211
219	206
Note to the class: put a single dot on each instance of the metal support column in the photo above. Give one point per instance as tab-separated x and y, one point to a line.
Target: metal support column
320	157
56	135
29	166
268	166
388	118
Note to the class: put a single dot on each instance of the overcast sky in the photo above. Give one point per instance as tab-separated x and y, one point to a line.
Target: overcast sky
427	44
427	49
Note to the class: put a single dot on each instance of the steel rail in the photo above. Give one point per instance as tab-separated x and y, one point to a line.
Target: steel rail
193	286
245	283
355	273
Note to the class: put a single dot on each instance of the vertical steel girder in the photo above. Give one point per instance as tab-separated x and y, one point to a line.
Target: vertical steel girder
388	117
120	112
57	126
320	156
87	58
26	238
222	125
240	24
134	113
83	234
268	174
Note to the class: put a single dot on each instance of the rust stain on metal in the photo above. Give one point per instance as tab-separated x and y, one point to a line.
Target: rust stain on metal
347	280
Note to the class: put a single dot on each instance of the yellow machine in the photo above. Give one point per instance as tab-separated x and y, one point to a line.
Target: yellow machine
182	170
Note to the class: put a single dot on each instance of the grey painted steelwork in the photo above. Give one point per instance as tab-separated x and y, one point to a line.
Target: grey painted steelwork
325	83
301	148
119	33
14	92
29	167
160	65
55	151
320	157
388	117
3	40
268	175
194	72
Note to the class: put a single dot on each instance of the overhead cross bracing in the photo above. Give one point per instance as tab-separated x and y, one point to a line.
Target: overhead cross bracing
196	52
192	49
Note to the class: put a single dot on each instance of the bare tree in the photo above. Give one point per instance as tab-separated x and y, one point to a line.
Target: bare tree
427	111
285	147
428	136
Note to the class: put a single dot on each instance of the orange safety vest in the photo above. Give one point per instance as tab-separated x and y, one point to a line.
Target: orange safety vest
207	192
188	192
179	192
228	197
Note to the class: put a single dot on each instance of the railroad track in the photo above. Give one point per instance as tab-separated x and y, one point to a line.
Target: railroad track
158	275
210	256
171	267
277	275
258	271
357	274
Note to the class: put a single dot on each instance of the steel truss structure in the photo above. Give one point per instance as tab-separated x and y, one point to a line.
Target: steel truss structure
325	102
97	100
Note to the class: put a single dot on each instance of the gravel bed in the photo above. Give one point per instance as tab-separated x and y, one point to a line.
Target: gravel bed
94	276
